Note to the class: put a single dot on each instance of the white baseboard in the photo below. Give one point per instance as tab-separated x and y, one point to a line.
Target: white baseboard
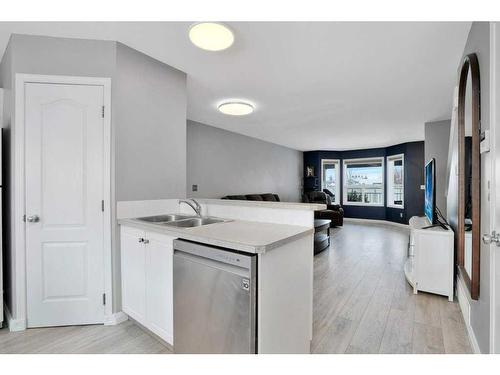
14	325
464	303
116	318
20	324
374	222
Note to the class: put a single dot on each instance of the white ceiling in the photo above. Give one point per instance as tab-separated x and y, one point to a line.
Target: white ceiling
316	85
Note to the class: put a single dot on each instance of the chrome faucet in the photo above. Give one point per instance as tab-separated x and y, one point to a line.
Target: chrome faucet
193	204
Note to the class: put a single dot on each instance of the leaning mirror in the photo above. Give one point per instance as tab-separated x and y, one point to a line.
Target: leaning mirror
469	134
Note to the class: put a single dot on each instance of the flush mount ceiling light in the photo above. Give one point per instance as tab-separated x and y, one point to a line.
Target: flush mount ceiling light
236	108
211	36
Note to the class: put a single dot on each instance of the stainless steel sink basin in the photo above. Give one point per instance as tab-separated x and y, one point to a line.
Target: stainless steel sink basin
194	222
159	219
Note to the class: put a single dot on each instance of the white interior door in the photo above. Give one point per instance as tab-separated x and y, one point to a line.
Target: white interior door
64	167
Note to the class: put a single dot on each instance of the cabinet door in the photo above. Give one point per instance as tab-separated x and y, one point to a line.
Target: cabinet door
433	263
133	259
159	285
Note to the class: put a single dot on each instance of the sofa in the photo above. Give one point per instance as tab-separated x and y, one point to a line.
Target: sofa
333	212
268	197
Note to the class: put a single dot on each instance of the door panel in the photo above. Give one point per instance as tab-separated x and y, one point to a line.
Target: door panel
159	282
63	207
64	155
68	261
133	258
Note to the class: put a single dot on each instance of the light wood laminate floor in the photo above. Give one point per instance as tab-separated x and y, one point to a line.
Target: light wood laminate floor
362	304
126	337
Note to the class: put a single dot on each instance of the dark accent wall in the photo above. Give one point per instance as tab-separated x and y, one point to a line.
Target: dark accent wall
413	174
414	178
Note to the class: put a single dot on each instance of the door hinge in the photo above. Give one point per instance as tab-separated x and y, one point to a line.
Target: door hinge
102	113
104	298
493	237
102	205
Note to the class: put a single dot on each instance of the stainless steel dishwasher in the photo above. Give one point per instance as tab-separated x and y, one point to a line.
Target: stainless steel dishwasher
215	297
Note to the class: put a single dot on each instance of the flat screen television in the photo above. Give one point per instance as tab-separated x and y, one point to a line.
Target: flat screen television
430	191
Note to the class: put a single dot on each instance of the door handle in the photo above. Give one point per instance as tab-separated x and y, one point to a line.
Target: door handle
33	219
493	237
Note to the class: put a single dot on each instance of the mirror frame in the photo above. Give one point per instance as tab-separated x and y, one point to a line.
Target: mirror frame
472	281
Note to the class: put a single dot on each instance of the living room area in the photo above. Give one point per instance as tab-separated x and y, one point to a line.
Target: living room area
372	176
363	302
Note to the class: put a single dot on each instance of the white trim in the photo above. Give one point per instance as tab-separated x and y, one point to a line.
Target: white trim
495	179
116	318
338	180
375	222
14	325
391	158
19	177
344	183
464	304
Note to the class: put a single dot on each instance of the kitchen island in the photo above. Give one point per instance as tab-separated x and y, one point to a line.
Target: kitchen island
284	275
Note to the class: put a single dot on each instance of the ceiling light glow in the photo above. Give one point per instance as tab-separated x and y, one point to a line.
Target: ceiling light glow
211	36
238	108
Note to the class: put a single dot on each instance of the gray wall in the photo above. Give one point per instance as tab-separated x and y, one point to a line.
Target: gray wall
149	108
62	56
478	42
437	139
148	118
222	163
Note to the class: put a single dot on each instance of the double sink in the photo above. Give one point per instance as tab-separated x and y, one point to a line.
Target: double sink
181	220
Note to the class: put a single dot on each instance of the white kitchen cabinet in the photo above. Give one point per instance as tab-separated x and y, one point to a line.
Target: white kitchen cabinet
147	281
159	285
133	258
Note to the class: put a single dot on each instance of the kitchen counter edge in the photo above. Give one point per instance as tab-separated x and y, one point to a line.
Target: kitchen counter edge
191	235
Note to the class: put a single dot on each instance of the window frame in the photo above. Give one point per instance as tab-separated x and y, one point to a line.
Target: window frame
338	180
388	182
380	159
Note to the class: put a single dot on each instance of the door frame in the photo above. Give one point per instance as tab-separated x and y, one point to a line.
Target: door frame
495	171
19	179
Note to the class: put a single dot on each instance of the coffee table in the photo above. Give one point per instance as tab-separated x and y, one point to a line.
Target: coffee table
321	235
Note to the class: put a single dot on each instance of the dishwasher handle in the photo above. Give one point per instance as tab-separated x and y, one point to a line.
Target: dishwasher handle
180	256
217	254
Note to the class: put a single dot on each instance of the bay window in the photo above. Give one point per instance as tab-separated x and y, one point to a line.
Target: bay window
395	181
330	178
364	182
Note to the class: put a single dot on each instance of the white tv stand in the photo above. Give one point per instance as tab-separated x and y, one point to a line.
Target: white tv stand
430	263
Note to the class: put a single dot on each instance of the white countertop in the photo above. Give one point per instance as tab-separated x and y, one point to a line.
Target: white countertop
247	236
282	205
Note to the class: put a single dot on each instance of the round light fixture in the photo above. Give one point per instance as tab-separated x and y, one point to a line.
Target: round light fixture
211	36
236	108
